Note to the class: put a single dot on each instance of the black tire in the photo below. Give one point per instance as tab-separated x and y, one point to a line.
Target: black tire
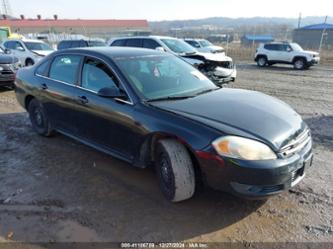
29	62
299	64
174	169
262	61
39	120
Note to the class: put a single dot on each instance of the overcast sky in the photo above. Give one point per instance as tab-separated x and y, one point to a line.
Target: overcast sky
170	9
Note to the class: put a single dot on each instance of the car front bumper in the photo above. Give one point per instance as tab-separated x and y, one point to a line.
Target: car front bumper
254	179
224	75
314	61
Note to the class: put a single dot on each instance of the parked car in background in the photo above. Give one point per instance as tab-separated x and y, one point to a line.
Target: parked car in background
9	65
286	53
205	46
65	44
153	108
28	51
217	67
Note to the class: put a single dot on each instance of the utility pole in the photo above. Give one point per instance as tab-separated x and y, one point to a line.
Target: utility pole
5	8
322	35
299	20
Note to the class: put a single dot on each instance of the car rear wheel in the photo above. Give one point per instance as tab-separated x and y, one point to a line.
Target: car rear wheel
262	61
39	120
299	64
174	170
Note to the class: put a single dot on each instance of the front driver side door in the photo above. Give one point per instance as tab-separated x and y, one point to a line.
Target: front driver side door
105	122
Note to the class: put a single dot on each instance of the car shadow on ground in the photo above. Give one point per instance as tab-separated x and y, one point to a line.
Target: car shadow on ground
118	201
322	130
5	89
277	67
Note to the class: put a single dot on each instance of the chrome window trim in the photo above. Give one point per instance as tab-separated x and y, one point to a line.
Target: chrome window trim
86	89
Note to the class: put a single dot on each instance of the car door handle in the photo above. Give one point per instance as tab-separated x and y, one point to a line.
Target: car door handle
43	86
83	99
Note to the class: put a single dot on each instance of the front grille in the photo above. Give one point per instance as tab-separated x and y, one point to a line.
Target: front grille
225	64
6	73
296	145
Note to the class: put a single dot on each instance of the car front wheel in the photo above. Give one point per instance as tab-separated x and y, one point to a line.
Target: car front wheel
299	64
174	170
39	120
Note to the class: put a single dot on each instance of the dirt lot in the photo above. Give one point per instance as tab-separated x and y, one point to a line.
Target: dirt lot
55	189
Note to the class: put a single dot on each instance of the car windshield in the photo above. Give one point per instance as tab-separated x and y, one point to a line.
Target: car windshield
96	44
296	47
163	76
205	43
178	46
37	46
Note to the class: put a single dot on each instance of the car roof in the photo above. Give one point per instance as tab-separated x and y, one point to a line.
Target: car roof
88	40
26	40
194	39
114	52
144	37
278	42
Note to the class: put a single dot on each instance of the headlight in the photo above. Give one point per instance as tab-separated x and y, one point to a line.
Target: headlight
14	66
243	148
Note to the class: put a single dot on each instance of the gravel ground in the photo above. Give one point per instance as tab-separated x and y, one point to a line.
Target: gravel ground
55	189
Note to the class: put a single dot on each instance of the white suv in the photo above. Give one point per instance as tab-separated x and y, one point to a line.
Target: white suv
28	51
286	53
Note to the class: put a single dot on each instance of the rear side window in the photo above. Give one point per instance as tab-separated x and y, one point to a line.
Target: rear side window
118	43
149	43
134	43
64	68
64	45
13	45
43	69
10	44
79	44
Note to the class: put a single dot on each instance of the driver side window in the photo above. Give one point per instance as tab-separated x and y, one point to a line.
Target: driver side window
96	75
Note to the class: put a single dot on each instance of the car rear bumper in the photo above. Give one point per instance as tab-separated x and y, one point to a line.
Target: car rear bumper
254	179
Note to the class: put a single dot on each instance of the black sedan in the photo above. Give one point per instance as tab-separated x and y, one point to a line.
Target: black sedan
151	108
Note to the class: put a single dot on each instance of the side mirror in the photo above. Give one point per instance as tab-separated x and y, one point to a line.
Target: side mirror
7	51
161	49
20	49
111	92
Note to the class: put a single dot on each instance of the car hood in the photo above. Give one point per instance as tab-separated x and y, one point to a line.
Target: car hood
310	52
241	112
8	59
211	49
43	52
215	57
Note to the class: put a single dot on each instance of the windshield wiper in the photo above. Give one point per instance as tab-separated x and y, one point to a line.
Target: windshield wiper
206	91
170	98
